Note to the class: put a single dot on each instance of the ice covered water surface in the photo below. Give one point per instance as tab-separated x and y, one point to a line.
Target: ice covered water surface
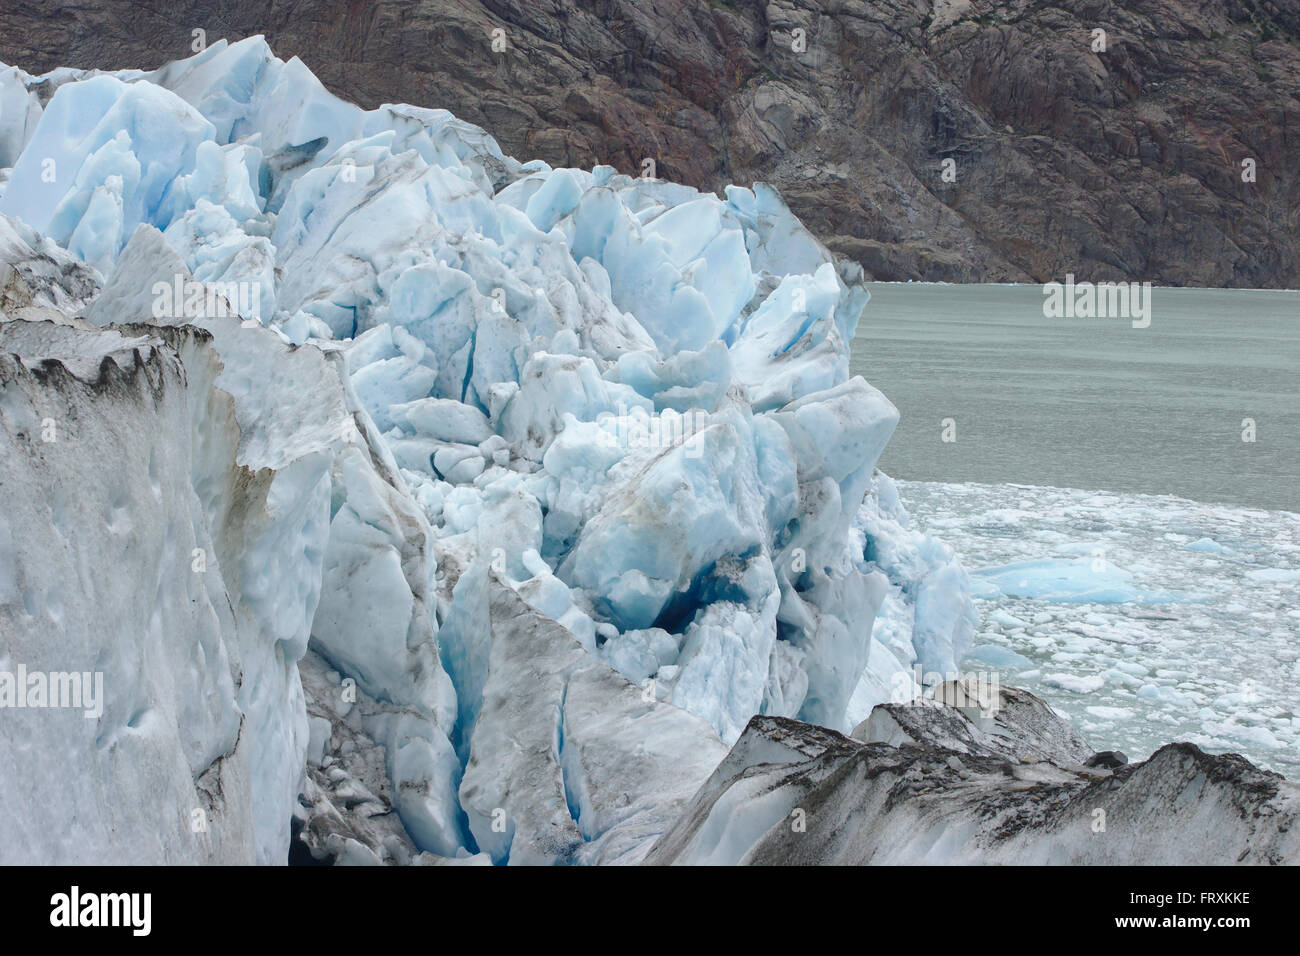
1143	618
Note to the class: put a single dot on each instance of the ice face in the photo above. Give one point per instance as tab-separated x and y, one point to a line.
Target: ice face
101	161
20	110
77	513
623	401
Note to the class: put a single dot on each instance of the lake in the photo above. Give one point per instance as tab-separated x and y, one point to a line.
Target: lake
1090	403
1086	439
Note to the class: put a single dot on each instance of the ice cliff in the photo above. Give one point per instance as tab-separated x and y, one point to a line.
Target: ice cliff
377	471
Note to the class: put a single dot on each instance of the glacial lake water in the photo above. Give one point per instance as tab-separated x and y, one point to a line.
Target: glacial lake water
1083	440
1090	403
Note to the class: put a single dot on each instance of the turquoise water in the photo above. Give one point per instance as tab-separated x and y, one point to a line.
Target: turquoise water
1091	403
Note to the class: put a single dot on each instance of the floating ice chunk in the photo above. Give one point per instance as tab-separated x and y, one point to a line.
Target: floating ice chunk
1110	713
1079	580
1208	545
984	588
1227	734
1163	694
1074	683
1274	575
996	656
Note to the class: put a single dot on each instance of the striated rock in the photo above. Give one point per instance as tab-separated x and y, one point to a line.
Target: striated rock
1117	164
950	792
1109	759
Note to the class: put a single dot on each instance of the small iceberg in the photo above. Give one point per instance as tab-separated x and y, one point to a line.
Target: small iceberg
1068	580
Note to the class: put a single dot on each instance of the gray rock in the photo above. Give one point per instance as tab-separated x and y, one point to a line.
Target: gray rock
1109	759
976	718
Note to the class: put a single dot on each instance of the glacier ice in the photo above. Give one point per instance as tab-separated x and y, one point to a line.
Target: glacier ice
446	426
170	739
920	783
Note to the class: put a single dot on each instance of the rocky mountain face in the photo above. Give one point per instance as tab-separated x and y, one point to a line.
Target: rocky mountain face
1134	161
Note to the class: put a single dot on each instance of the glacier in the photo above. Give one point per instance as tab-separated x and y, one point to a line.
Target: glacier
924	785
418	504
